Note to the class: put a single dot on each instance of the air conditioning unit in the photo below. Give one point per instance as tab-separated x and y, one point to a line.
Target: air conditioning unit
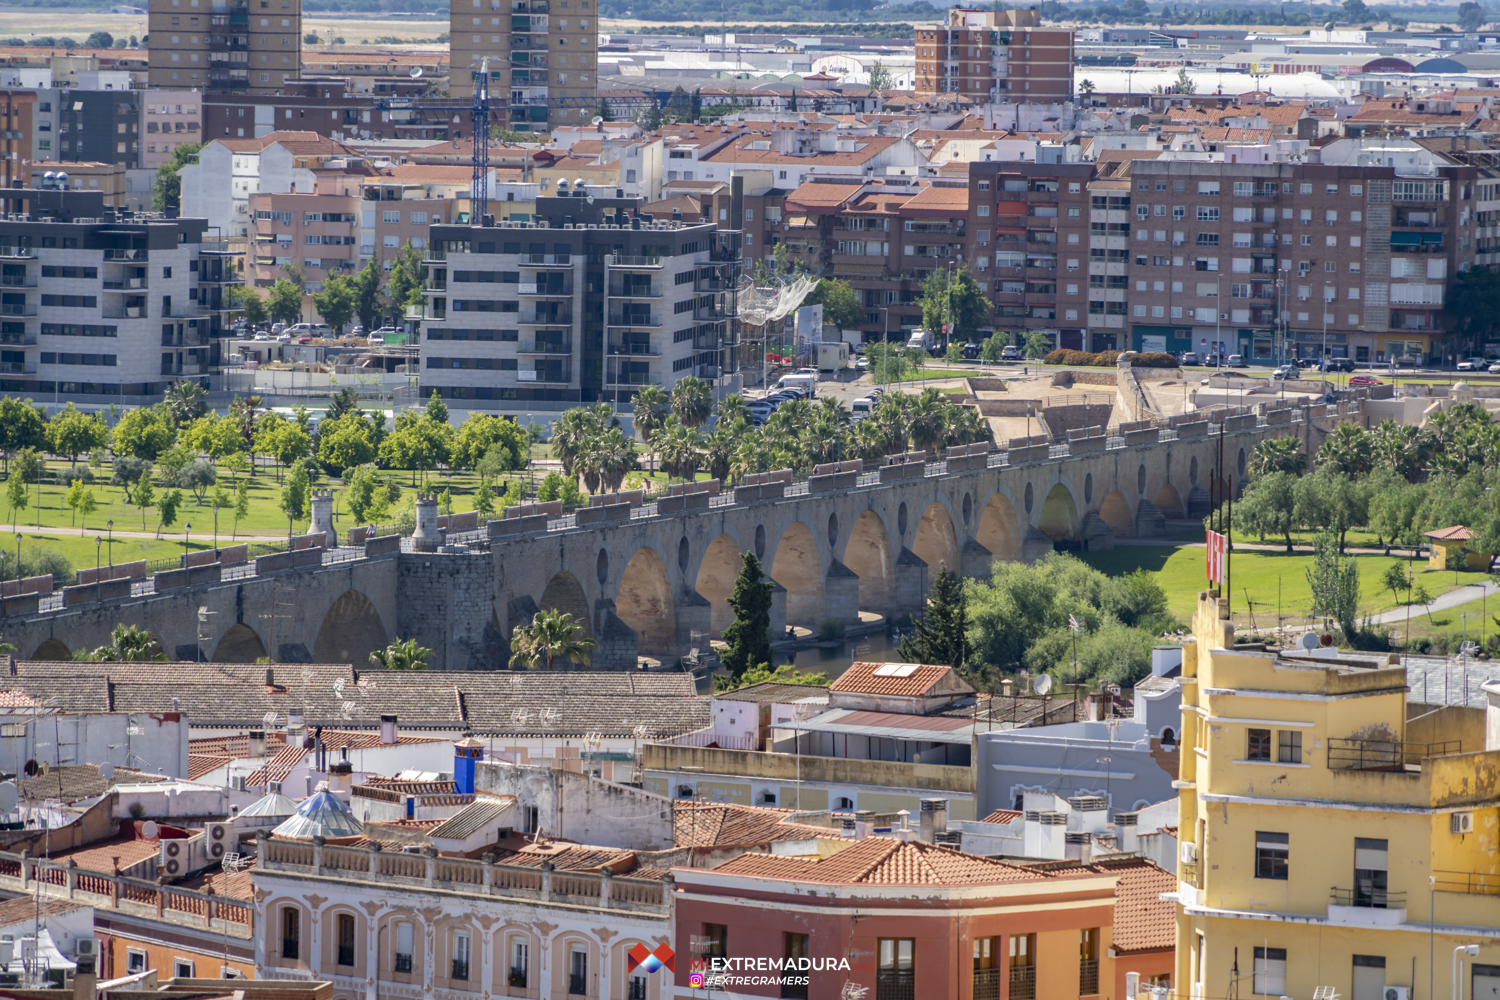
1461	822
220	839
87	947
1396	993
175	858
1189	853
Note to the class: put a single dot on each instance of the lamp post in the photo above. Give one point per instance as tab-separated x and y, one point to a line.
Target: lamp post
98	579
1463	949
111	543
187	541
18	562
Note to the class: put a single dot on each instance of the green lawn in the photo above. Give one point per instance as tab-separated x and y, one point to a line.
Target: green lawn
1181	573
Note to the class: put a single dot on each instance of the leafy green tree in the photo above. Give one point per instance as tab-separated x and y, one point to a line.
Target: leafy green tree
146	433
484	499
954	295
942	631
551	635
748	637
1038	345
346	442
99	40
285	305
336	302
366	287
248	301
29	466
289	445
787	673
1184	84
436	410
880	76
73	433
481	434
17	495
603	112
197	477
840	303
401	655
295	494
167	508
1334	580
650	118
1136	599
128	643
992	346
407	279
1333	502
241	506
1269	506
418	445
22	425
1471	16
166	188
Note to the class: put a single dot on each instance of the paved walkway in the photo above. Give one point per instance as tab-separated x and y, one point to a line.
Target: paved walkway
1452	599
98	529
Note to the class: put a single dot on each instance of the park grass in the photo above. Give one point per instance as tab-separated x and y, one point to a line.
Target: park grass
1473	620
1257	576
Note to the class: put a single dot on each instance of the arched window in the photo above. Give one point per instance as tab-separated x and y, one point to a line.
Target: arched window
1168	738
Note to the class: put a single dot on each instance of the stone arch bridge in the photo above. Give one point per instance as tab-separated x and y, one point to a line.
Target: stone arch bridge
644	579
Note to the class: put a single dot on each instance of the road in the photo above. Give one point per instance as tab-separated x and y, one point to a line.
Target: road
1452	599
96	529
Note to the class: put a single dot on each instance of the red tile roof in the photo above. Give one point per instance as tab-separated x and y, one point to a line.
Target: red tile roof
860	678
1457	533
730	825
939	199
811	196
200	764
1001	816
884	861
99	856
1142	921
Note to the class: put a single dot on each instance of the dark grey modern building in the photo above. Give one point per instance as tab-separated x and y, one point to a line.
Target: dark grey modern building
590	302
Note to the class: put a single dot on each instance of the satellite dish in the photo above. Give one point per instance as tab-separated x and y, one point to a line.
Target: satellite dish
1042	684
106	770
1309	640
597	121
149	829
416	72
9	796
589	199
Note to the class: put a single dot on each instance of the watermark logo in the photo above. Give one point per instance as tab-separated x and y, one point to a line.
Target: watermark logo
650	961
696	980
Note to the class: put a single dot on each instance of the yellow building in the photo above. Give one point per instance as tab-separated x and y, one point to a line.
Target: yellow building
1327	840
1450	550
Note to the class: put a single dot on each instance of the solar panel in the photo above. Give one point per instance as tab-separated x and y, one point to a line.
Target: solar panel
895	670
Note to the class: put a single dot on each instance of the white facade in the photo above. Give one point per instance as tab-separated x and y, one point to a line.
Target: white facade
218	187
154	742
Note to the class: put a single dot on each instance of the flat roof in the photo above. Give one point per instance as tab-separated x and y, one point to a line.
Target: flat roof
888	725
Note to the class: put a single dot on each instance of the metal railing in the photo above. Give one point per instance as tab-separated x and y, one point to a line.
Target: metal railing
1384	755
460	968
1374	899
1473	883
1022	982
517	977
403	963
577	985
986	984
895	985
1088	977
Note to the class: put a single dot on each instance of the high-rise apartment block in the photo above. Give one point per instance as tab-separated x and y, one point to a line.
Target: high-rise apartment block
543	59
225	46
995	57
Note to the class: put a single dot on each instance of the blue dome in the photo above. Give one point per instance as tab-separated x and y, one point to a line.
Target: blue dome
1441	65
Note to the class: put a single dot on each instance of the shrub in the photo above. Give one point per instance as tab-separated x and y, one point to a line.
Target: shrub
830	631
1055	357
1154	359
66	476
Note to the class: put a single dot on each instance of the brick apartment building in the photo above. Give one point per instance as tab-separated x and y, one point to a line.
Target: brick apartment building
995	56
244	46
544	58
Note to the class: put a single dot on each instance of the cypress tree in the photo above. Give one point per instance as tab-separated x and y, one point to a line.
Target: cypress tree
748	636
940	632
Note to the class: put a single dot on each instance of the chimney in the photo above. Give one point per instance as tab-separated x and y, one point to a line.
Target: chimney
1125	835
85	980
341	778
270	677
387	730
466	754
1078	846
736	201
848	828
864	823
257	743
934	819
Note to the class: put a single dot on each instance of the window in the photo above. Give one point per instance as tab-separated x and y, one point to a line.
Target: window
401	960
795	948
1289	746
1208	239
1270	963
135	961
182	968
895	976
578	971
291	932
1370	869
346	939
1260	745
1207	214
1369	977
391	218
460	956
1272	852
987	967
1178	212
1356	190
520	951
1243	189
1023	967
1208	187
1332	189
1088	961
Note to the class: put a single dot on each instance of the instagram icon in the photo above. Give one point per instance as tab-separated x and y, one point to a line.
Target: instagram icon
695	980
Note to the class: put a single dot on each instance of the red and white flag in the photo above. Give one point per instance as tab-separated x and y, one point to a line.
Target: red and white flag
1216	555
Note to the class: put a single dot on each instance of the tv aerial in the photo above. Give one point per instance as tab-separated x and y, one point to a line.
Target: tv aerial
268	720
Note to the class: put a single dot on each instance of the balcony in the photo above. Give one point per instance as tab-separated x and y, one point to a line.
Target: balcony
638	348
431	256
1373	899
559	318
987	984
547	259
460	968
517	978
17	367
895	985
559	374
631	378
14	309
547	289
629	291
17	281
634	319
1088	977
631	263
541	345
1022	982
27	339
135	255
17	253
577	985
1384	755
125	285
403	963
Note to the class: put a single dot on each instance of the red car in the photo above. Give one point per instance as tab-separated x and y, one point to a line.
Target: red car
304	340
1365	380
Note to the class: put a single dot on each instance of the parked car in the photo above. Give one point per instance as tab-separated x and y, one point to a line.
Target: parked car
1285	371
358	331
861	363
1210	361
304	340
1365	380
1472	365
1010	353
1337	365
1188	358
1237	361
262	336
283	337
1495	368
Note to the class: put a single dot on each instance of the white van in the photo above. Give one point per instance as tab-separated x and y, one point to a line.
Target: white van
809	383
862	407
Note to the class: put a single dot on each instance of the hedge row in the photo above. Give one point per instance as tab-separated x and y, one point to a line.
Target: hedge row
1107	359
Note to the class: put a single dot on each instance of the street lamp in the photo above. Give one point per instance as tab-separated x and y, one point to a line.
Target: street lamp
18	562
111	543
187	541
98	579
1464	949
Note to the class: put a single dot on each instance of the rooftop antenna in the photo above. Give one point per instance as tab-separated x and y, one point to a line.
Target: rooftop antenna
205	629
233	864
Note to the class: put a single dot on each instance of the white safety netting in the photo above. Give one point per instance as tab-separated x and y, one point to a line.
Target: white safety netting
760	305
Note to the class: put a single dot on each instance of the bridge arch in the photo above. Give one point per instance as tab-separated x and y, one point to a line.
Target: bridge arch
350	632
936	541
1059	519
1169	501
240	644
717	569
867	551
798	566
1115	511
52	649
1000	529
564	593
644	601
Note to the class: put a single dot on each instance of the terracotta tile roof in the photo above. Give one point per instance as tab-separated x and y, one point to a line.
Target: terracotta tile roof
15	699
812	196
884	861
1142	921
431	173
438	787
861	678
569	857
78	782
99	856
23	909
200	764
278	767
939	199
1457	533
773	692
1001	816
240	885
730	825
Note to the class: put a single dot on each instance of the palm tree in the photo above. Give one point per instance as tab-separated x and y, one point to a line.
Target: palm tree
869	441
966	425
891	418
1281	454
577	432
401	655
652	405
129	644
550	635
692	400
186	402
720	448
1347	449
1402	448
1086	87
244	412
679	449
732	408
616	456
827	435
926	421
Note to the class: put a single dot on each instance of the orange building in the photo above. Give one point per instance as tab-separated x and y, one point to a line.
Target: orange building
999	57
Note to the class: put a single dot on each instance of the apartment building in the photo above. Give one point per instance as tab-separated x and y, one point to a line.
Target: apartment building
1034	237
17	129
104	308
398	207
169	119
1351	257
995	57
1333	830
245	46
543	59
102	126
315	232
228	171
589	302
